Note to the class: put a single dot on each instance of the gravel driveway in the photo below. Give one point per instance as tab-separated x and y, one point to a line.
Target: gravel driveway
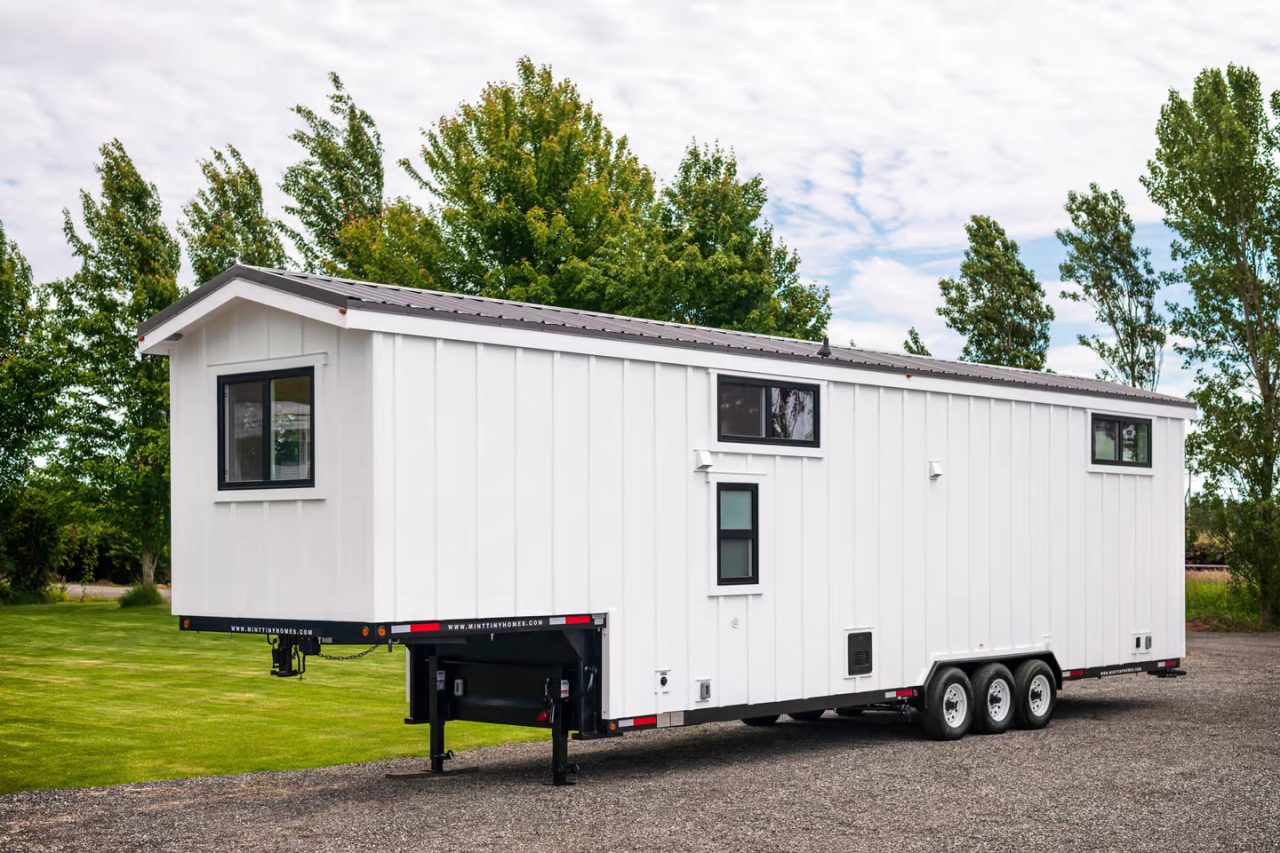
1129	763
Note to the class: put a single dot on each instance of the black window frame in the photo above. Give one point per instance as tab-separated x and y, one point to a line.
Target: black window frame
768	384
753	535
1120	421
265	377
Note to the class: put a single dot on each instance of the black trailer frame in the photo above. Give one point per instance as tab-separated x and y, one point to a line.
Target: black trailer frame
542	672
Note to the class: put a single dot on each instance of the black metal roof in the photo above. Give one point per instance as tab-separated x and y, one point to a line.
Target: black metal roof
366	296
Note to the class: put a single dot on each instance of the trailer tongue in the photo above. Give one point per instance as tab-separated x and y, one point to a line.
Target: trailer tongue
541	671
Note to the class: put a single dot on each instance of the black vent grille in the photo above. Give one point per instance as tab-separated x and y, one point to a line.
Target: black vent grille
860	653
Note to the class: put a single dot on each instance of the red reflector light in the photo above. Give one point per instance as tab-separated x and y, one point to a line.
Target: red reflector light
645	721
542	716
1073	673
424	626
576	620
904	692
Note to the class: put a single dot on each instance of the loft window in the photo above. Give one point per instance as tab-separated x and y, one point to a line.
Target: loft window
1121	441
764	412
738	521
266	430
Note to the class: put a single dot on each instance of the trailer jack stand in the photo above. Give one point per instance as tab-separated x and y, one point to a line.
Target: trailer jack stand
561	767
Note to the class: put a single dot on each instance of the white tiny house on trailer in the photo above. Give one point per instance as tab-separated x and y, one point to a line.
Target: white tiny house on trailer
683	524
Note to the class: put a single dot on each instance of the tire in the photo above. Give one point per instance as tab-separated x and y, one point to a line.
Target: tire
850	712
993	693
761	721
806	716
1035	694
948	708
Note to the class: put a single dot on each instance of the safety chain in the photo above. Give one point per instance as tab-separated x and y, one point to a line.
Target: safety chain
355	656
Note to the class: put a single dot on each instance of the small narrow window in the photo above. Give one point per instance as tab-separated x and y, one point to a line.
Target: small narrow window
762	412
266	429
1121	441
738	557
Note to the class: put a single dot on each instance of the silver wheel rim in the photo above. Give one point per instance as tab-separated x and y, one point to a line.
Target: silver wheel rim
1038	694
955	705
998	703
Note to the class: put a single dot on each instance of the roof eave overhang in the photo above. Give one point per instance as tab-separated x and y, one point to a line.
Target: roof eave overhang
238	284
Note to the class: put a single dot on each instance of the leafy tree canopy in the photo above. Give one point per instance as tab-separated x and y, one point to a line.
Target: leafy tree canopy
537	198
114	415
1215	174
1116	278
720	263
914	346
402	245
338	180
27	385
225	220
996	302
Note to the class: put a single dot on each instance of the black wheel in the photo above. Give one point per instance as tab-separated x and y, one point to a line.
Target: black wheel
993	695
850	712
761	721
1035	694
806	716
948	707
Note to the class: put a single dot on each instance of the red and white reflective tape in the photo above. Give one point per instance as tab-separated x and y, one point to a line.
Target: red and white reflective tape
904	693
651	720
568	620
1073	673
415	628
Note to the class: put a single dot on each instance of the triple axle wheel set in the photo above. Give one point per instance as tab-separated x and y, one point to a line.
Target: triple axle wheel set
990	699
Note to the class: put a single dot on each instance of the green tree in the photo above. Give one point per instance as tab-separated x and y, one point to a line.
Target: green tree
1116	278
402	245
997	303
338	180
914	346
114	415
225	220
1215	174
538	200
720	263
27	385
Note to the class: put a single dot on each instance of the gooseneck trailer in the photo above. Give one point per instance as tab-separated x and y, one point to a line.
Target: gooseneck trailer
598	524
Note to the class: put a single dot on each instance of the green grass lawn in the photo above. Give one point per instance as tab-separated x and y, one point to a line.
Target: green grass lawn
92	694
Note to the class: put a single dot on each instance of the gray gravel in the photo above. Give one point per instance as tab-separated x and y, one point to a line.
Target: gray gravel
1129	763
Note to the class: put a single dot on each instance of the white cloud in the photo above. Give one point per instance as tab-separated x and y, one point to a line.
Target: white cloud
882	299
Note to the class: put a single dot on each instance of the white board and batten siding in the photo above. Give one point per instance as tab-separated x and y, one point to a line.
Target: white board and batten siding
466	470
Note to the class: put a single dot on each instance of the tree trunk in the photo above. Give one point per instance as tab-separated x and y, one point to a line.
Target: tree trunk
148	567
1270	611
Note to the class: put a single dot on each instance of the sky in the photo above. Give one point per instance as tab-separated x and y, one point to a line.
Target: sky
879	129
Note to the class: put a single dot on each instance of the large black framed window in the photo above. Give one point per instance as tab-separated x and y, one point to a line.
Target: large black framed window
738	533
1120	441
266	430
759	411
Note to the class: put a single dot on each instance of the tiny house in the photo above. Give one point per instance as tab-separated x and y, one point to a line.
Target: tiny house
600	524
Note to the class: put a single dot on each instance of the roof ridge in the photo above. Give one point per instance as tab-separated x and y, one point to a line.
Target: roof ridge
337	290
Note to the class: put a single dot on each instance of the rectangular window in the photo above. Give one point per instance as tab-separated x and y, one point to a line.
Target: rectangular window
737	516
266	429
1121	441
764	412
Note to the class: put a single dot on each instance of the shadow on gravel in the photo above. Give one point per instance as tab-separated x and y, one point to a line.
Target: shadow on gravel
727	744
1072	707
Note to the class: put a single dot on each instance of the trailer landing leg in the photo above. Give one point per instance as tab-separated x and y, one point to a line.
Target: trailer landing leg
561	767
435	721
